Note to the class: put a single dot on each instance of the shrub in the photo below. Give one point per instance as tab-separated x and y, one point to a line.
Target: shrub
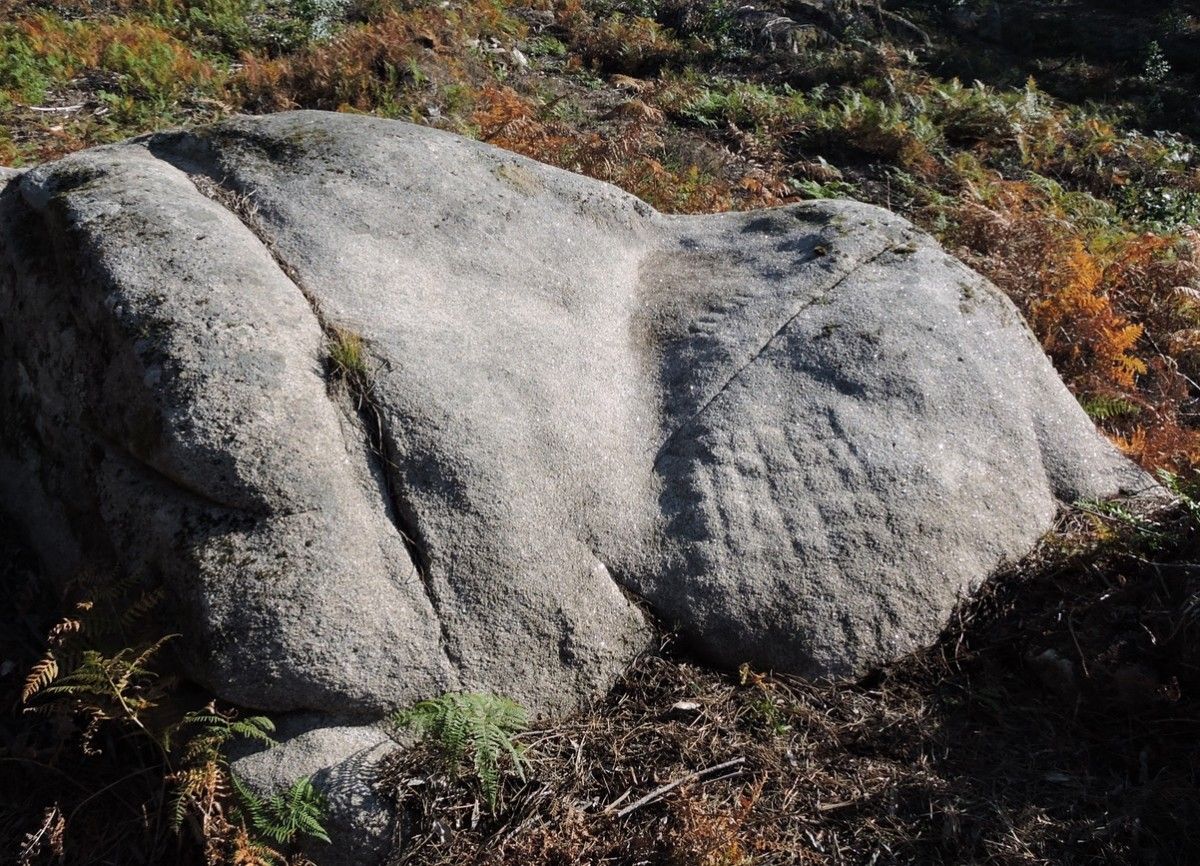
102	681
631	45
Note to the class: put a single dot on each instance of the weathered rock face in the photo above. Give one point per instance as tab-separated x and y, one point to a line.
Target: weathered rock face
799	435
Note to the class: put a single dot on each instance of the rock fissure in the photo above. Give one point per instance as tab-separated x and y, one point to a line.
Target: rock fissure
373	421
369	415
821	296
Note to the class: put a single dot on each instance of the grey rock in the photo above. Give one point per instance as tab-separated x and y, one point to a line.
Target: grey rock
798	435
8	176
343	762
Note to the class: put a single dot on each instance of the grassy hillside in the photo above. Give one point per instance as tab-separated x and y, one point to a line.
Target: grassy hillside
1048	144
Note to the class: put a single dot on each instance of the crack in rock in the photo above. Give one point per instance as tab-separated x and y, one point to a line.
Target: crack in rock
367	413
819	297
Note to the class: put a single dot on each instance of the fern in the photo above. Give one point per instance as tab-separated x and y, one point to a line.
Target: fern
99	686
284	815
142	607
40	676
1105	408
478	726
203	780
120	679
57	654
86	676
211	730
246	851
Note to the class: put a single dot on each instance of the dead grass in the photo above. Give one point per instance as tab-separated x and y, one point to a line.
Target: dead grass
630	152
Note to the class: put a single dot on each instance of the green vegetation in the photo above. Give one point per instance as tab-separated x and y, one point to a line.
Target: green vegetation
125	769
348	357
1187	491
1133	530
284	815
475	727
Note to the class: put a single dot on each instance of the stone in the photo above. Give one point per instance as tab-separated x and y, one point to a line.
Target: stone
342	761
797	436
390	413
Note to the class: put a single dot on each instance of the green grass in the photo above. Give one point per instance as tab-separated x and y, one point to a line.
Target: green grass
348	355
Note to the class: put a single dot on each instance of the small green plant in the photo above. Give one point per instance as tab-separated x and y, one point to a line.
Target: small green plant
1130	530
475	726
1102	407
211	730
284	815
546	46
348	356
123	707
1155	66
770	714
1142	533
812	189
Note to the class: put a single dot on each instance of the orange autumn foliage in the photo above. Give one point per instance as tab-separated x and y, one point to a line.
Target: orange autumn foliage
371	66
1117	316
631	160
1079	326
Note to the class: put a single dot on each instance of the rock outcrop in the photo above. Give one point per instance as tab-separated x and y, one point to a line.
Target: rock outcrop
391	413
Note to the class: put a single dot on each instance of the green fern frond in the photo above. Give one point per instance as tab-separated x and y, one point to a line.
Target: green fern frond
285	815
305	807
478	726
178	809
257	728
90	676
249	806
211	730
1105	408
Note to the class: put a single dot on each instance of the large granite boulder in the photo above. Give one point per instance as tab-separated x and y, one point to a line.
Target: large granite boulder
797	436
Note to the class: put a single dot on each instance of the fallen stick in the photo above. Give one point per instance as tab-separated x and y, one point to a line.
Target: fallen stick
657	793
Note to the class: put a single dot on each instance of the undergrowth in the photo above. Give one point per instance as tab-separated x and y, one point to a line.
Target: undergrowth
476	727
106	732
